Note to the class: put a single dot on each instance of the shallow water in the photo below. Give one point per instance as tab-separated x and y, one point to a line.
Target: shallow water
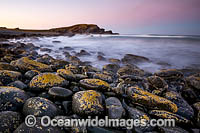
163	51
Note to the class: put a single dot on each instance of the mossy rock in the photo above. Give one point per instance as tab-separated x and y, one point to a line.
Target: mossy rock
170	74
87	103
25	64
39	106
149	100
168	115
44	81
95	84
12	98
67	74
7	76
9	121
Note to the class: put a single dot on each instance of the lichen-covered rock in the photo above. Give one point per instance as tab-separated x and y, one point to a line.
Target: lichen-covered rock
111	68
170	74
11	98
74	69
9	121
38	128
130	70
168	115
103	77
133	59
194	81
114	61
7	76
134	114
157	83
95	84
25	64
114	108
87	103
137	95
39	106
6	66
44	81
67	74
30	74
60	93
184	109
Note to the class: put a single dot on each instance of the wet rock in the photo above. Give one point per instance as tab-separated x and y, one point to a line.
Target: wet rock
12	99
30	74
194	81
18	84
74	69
74	58
172	130
113	68
39	106
190	96
45	50
103	77
101	58
87	103
157	83
44	81
68	48
6	66
60	93
9	121
137	95
134	114
86	69
7	76
114	108
26	64
45	59
94	84
196	107
168	115
56	41
101	53
83	53
184	109
67	74
80	77
38	128
67	106
170	74
133	59
58	64
114	61
130	70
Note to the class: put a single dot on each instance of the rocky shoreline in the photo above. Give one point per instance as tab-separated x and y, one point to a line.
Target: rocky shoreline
39	85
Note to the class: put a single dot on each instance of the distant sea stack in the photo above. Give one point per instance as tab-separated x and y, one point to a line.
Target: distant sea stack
6	33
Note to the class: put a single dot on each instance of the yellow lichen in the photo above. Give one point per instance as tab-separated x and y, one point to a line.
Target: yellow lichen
95	83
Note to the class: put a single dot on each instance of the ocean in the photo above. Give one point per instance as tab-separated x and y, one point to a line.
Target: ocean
164	52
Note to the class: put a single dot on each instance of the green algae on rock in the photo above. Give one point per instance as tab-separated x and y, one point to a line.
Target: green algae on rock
44	81
87	103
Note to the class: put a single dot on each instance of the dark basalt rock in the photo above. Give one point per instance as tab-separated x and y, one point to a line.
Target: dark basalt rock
172	130
39	106
103	77
112	68
38	128
18	84
60	93
101	58
6	66
133	59
30	74
9	121
12	99
194	81
7	76
130	70
114	108
184	109
170	74
67	106
82	53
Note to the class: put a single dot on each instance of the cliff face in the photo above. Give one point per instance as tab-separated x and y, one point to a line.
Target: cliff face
82	29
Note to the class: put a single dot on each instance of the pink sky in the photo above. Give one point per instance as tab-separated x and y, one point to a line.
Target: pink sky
129	16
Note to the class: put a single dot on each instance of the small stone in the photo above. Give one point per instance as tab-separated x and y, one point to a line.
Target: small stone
9	121
60	93
18	84
44	81
114	108
94	84
30	74
12	98
39	106
87	103
7	76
